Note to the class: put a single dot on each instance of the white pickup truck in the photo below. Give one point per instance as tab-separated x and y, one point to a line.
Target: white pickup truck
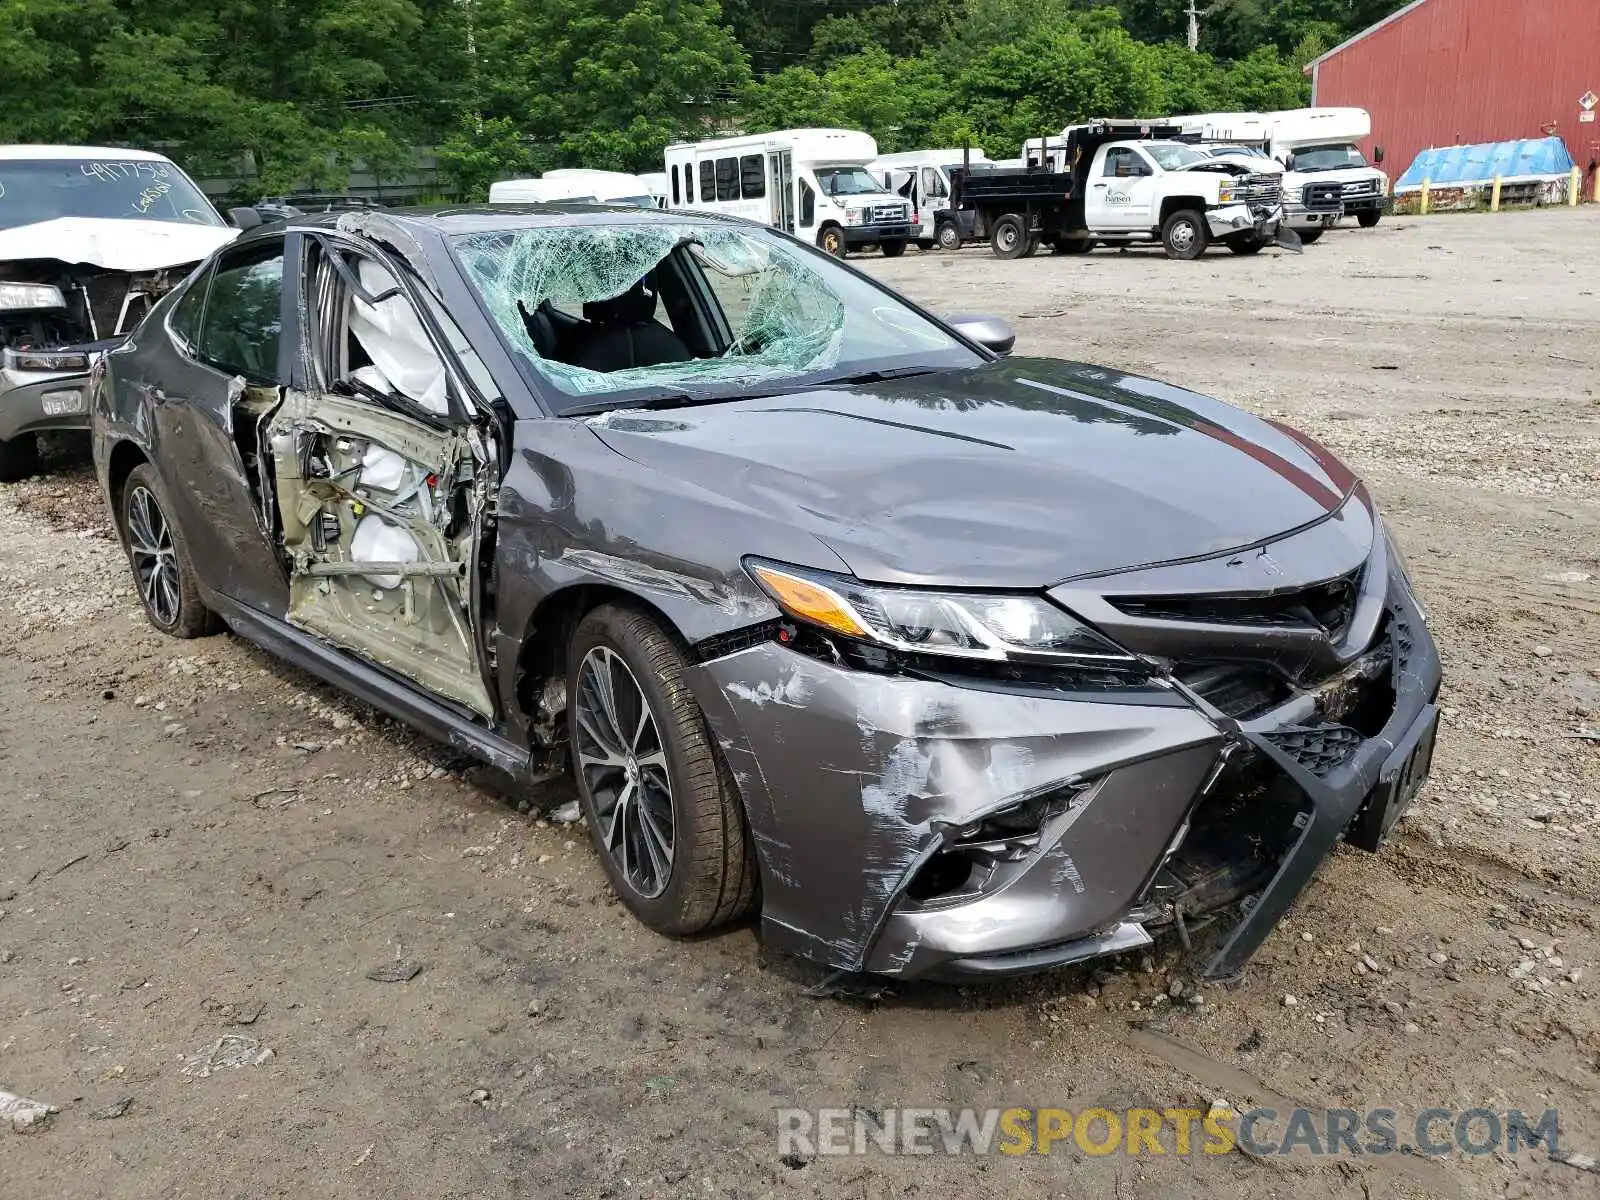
1117	182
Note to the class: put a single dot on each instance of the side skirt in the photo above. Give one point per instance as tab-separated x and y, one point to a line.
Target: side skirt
383	691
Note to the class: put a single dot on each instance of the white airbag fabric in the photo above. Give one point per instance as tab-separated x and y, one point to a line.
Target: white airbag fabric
377	541
392	335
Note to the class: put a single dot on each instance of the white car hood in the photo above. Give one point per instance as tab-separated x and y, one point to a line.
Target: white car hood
113	243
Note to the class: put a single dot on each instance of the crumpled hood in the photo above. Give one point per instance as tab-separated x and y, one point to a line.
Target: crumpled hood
113	243
1021	473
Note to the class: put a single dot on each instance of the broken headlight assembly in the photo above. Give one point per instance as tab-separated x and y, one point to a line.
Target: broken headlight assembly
30	297
1011	637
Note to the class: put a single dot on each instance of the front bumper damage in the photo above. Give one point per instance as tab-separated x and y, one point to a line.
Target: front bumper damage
34	400
1156	811
1229	219
871	235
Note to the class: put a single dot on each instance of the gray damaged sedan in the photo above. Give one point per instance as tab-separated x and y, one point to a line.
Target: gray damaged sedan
949	664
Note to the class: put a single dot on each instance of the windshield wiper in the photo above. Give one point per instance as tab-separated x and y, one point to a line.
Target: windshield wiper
879	376
659	399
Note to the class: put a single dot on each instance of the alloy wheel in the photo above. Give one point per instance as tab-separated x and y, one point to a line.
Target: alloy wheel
155	559
620	753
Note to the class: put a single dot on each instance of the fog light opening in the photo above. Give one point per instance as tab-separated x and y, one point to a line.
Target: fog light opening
978	854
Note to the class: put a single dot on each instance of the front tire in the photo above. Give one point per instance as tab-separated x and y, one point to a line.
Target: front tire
1074	245
1310	235
19	458
160	559
1009	238
663	811
1368	219
1184	234
831	241
892	249
948	236
925	243
1246	246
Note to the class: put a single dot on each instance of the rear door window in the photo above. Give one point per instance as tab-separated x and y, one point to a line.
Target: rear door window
243	319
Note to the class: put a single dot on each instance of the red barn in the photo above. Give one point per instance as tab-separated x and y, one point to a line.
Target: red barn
1457	72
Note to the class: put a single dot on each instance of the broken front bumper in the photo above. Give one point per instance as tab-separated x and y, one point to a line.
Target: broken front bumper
1230	219
855	785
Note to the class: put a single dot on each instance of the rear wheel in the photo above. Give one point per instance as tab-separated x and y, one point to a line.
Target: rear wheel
160	559
1368	219
892	249
1309	235
1184	234
19	458
831	240
1246	245
1009	238
663	811
925	243
1074	245
948	236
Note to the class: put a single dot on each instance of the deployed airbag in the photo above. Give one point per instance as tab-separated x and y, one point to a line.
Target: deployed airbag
392	335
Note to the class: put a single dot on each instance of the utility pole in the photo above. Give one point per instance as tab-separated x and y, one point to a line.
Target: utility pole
1194	14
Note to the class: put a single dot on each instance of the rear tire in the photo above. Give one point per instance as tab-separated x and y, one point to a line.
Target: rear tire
19	458
892	249
159	557
1034	242
1310	235
831	241
1246	246
948	236
668	759
1368	219
1009	238
1184	234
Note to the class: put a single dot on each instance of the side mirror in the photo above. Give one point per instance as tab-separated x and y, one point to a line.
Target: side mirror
1377	154
992	333
244	218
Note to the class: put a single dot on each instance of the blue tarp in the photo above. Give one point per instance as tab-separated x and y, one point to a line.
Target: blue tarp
1464	166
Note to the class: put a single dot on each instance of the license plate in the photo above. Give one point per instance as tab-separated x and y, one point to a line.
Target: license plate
1402	777
60	403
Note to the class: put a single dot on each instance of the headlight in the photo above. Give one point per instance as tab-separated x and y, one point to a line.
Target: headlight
1225	194
1294	193
852	216
46	360
995	628
1402	564
31	295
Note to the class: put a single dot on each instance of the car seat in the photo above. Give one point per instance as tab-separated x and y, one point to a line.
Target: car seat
624	333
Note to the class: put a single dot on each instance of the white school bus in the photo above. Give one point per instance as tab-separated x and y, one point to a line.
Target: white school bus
813	183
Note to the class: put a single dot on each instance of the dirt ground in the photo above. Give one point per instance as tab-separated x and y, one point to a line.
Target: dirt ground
203	853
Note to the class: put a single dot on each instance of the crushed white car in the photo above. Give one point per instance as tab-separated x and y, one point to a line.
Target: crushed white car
90	238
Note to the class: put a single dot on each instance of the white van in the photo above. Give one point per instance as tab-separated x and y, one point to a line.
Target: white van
813	183
574	183
923	177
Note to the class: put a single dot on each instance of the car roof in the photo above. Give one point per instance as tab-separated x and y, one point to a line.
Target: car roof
24	151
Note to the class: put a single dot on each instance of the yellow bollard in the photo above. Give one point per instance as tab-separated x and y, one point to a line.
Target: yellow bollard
1423	206
1494	197
1576	184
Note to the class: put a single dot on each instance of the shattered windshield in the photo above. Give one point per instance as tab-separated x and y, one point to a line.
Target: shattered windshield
33	190
1327	158
848	181
606	308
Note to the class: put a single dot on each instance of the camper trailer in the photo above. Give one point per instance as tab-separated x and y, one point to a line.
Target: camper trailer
923	178
596	187
813	183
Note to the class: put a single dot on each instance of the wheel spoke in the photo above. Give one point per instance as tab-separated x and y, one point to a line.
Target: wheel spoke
613	756
657	844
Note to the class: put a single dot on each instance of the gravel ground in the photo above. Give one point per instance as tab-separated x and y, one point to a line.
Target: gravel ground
206	856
